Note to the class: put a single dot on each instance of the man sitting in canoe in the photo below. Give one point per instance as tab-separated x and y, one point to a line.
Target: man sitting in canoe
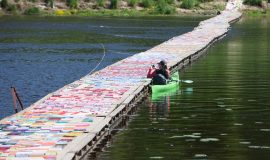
160	75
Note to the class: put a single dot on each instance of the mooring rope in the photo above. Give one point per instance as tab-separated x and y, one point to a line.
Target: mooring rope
104	53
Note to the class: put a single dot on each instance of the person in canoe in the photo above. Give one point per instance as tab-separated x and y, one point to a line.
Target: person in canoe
159	75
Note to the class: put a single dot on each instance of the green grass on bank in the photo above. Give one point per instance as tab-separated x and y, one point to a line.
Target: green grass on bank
100	12
106	13
261	10
124	13
253	2
257	13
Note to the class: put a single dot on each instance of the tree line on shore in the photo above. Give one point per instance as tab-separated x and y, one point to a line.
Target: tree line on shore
30	7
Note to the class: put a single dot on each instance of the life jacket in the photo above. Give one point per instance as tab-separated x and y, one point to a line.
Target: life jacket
161	77
162	72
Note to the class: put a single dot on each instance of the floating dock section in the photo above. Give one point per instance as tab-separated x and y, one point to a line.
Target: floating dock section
71	122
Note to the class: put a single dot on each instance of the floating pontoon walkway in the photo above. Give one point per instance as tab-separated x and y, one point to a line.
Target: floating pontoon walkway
69	123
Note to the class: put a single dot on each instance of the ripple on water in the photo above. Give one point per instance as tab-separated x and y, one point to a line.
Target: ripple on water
185	117
156	157
258	122
200	156
265	130
221	105
190	140
209	139
186	136
238	124
196	134
259	147
193	135
222	99
244	142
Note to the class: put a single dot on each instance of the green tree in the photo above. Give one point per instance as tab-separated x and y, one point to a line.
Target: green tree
114	4
4	3
72	4
147	3
163	7
188	4
253	2
49	3
170	1
132	3
32	11
100	3
206	0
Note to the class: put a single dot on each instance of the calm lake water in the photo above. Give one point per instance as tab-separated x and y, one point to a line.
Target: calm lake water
223	115
39	55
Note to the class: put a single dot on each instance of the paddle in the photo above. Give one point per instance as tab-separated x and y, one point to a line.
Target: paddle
185	81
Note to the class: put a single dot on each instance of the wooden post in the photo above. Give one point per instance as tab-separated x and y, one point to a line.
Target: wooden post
16	97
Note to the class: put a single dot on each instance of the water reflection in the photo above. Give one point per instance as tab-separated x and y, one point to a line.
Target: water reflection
160	103
159	109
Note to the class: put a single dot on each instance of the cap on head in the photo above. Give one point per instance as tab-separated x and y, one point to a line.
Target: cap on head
162	62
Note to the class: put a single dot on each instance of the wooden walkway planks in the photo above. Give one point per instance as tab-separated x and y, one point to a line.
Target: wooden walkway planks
69	123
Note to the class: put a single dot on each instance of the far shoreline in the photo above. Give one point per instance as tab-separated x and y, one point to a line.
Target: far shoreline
119	8
248	11
110	13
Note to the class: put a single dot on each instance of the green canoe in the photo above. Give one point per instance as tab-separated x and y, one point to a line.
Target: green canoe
163	90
